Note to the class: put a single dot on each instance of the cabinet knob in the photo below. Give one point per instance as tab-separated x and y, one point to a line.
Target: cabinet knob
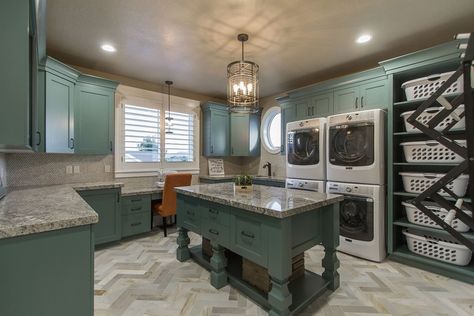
111	146
212	149
356	102
362	102
71	141
38	141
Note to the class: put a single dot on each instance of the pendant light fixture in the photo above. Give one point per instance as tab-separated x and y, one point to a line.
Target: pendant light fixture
169	118
242	86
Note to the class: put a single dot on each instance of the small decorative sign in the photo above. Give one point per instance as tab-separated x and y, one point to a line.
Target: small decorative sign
216	167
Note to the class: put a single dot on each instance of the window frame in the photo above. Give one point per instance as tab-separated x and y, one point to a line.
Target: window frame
265	129
156	100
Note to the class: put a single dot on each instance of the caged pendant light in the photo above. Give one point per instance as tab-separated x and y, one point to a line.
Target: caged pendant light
169	118
242	86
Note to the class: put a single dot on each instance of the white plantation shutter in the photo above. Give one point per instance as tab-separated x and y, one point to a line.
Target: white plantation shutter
179	145
141	134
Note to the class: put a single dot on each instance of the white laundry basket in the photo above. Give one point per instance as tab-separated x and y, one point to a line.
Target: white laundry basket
444	249
429	113
416	216
424	87
431	152
415	182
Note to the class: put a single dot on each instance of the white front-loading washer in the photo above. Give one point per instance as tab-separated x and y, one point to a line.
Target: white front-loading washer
356	151
361	220
305	149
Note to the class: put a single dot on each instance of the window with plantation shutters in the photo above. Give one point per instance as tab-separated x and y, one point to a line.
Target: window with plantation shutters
179	137
141	134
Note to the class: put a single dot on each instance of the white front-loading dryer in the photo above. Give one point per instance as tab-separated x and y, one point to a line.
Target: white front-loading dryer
306	149
356	151
361	220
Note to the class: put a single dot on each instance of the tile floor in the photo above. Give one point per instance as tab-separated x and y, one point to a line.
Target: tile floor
142	277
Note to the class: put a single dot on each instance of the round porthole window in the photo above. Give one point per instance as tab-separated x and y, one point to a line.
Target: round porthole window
271	130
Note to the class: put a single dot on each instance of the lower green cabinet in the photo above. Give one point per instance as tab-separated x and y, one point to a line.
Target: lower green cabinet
50	273
106	203
136	214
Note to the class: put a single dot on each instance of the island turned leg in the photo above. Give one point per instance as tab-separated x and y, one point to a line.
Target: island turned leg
330	243
218	264
182	253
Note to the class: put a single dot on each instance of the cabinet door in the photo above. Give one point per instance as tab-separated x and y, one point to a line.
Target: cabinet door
59	107
322	105
93	120
106	203
346	100
219	133
254	135
239	134
15	79
288	114
302	109
375	95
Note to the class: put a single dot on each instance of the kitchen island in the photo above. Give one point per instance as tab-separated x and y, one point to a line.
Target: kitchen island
268	226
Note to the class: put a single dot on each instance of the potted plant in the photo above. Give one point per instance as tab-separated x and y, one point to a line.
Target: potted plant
243	183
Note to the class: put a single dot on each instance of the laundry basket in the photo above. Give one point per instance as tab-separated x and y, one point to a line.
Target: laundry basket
424	87
445	249
415	182
431	152
416	216
429	113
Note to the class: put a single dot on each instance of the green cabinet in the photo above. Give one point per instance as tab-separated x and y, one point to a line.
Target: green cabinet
106	203
136	215
244	134
18	61
94	117
50	273
216	130
322	105
365	96
60	111
303	109
288	114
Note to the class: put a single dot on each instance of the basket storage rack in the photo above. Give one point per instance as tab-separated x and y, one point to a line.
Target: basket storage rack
467	153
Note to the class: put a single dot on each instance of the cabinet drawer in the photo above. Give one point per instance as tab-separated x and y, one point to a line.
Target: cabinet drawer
216	232
217	214
136	204
190	217
250	240
136	224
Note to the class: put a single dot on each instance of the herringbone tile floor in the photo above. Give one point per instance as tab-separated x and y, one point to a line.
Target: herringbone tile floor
142	277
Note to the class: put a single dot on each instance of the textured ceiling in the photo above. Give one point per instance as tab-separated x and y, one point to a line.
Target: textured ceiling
295	42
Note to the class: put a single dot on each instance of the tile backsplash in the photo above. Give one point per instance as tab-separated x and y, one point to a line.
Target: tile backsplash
25	169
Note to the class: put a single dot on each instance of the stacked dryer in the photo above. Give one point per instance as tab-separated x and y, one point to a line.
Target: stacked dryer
306	154
356	169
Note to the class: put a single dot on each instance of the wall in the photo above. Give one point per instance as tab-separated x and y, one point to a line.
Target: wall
25	169
3	170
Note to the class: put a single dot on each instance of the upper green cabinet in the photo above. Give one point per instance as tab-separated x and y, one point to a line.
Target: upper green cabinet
365	96
322	104
244	134
106	203
94	116
216	130
18	61
288	114
78	111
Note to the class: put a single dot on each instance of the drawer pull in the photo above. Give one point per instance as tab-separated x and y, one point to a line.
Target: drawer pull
136	200
214	232
136	209
136	224
212	211
249	235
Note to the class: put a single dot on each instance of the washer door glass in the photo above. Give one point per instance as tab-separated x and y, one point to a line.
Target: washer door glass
303	147
351	144
357	218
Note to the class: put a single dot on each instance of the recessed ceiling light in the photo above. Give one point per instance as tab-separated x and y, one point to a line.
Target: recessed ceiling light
364	38
108	48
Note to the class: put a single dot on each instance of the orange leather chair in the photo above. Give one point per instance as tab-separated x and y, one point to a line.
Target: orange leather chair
167	207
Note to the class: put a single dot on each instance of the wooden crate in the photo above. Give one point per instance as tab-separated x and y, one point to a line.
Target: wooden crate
258	275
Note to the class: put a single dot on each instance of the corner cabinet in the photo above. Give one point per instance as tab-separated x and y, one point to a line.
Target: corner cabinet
244	134
106	203
94	116
78	111
216	130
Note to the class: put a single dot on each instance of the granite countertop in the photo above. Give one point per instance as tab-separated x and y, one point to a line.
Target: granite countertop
266	200
29	210
232	176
